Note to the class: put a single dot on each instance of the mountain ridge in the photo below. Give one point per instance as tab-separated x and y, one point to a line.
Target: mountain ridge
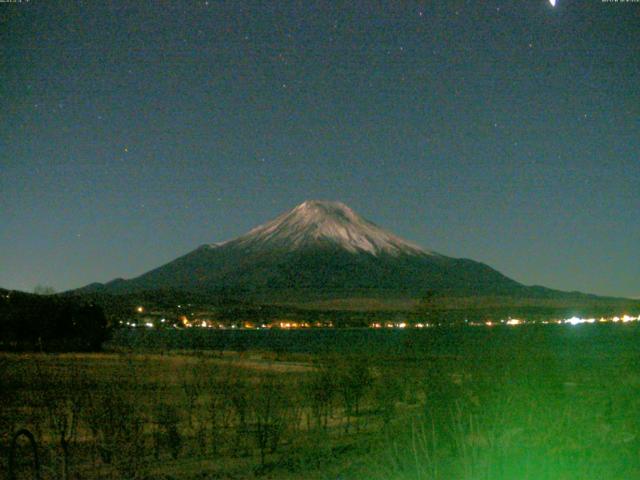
322	250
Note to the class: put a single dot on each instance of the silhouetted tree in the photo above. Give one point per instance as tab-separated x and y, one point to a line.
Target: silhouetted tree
49	322
167	418
321	390
269	409
354	379
64	397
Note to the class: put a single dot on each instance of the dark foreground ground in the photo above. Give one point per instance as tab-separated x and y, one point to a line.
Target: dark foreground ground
548	402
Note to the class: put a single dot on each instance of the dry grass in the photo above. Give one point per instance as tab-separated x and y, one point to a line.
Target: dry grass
521	412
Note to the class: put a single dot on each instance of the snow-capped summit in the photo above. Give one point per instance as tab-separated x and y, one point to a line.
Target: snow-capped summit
317	223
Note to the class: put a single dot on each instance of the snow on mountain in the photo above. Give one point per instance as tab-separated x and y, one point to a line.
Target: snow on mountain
314	223
320	250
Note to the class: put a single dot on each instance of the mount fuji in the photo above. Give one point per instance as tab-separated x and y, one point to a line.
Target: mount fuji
319	250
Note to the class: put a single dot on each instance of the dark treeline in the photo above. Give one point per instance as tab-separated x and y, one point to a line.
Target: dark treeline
79	321
49	322
232	307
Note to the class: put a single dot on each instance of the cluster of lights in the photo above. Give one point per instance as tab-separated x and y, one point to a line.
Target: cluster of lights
567	321
398	325
186	323
286	324
293	325
580	321
512	322
626	319
576	320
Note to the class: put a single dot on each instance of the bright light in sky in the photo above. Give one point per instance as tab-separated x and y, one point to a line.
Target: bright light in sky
552	2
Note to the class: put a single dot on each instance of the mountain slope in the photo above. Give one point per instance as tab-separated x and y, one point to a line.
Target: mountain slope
320	250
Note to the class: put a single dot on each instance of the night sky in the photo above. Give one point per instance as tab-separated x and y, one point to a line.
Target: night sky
503	131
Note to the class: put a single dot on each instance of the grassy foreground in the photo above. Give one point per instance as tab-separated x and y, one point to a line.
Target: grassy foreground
520	411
